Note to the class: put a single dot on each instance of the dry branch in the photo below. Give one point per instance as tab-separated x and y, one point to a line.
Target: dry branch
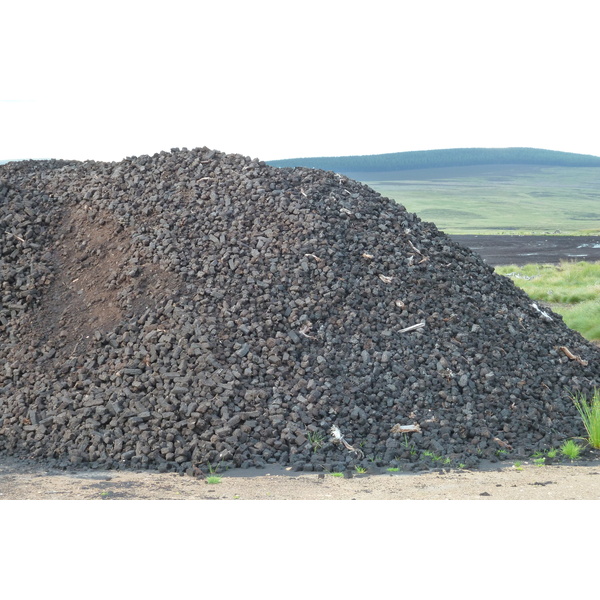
412	327
337	434
16	236
572	356
304	331
313	256
414	248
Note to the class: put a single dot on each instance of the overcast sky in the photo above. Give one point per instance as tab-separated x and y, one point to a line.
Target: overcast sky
286	79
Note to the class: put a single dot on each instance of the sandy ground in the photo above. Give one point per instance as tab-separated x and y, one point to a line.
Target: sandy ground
20	481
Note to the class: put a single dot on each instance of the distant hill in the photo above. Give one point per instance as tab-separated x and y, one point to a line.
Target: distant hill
428	159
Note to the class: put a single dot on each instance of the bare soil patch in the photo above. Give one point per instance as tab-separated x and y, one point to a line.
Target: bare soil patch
520	250
28	481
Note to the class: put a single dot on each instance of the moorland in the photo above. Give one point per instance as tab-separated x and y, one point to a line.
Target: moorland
482	190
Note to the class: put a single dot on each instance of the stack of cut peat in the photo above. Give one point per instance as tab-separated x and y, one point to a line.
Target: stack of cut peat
194	307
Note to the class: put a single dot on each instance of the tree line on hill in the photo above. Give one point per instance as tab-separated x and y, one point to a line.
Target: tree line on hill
429	159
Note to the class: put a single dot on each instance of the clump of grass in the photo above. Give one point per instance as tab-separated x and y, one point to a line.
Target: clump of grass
589	411
436	457
337	474
316	439
213	477
571	449
432	455
393	469
539	458
360	469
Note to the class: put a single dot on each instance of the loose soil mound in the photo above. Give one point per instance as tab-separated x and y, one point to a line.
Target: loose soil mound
194	309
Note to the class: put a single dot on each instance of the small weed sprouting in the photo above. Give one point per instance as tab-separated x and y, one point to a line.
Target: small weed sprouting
409	445
432	455
337	474
213	470
360	469
393	469
571	449
589	411
539	458
462	466
316	439
213	477
518	466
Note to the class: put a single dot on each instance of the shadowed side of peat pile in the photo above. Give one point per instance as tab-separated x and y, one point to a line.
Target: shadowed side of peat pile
194	308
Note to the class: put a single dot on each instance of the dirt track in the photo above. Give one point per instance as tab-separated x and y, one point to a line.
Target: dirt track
20	481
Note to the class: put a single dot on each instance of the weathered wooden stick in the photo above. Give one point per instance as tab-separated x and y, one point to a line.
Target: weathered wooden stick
415	249
417	326
406	428
313	256
572	356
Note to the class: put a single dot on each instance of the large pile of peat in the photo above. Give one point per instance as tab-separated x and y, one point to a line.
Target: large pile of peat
196	308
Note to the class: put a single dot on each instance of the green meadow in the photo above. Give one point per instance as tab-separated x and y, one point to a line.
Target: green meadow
571	289
497	199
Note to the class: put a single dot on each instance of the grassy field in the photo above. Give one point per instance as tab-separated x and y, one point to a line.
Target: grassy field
571	289
497	199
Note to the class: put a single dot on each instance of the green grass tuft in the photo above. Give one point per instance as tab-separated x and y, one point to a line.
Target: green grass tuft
571	449
589	410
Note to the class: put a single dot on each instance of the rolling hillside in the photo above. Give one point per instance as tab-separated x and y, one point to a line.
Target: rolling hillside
483	190
429	159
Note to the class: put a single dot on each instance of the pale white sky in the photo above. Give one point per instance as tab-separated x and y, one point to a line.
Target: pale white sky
108	79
